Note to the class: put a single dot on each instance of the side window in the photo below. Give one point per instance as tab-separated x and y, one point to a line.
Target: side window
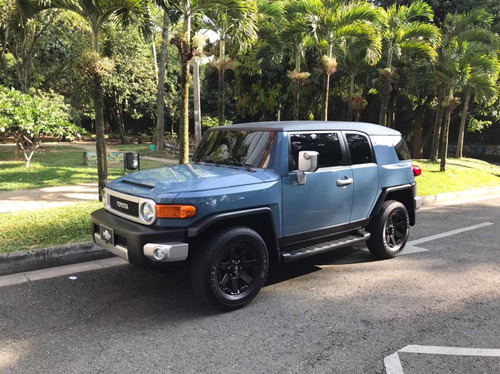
326	144
359	147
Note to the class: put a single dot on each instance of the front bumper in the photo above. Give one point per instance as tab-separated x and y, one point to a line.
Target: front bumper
136	243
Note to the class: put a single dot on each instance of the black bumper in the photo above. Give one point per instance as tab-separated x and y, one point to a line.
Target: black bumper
134	236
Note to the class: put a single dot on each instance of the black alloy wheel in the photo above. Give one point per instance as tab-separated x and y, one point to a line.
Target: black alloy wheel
231	268
389	230
396	229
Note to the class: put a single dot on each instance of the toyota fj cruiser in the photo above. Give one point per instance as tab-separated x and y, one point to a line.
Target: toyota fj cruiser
259	193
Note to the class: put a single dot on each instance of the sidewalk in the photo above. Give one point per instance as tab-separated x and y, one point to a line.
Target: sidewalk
48	197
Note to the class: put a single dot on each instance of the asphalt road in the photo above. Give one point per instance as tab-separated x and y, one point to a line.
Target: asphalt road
342	312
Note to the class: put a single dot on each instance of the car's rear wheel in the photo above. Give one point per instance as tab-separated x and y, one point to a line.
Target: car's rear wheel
389	230
229	271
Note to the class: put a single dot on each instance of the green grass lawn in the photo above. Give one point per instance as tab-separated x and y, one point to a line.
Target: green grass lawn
143	149
54	166
460	175
44	228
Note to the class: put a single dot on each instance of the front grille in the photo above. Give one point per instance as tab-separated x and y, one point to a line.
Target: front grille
121	206
120	240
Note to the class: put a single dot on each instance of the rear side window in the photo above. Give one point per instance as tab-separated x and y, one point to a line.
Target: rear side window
359	147
326	144
395	141
402	150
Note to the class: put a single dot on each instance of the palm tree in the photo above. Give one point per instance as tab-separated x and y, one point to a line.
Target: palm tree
355	55
465	40
295	33
96	13
170	15
406	34
240	28
189	48
482	81
330	20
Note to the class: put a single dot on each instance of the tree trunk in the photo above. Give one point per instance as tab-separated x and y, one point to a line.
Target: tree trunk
197	101
417	132
221	105
160	98
461	131
351	94
326	88
437	125
296	98
446	131
184	128
102	161
444	141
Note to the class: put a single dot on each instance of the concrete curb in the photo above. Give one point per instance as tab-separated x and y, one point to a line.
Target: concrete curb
17	262
23	261
461	197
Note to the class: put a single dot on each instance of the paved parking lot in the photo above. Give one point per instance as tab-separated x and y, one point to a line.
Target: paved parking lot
434	310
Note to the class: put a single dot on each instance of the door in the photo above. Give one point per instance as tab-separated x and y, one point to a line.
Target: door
322	205
365	175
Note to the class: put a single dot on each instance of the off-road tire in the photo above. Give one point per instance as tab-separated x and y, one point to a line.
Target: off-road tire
389	230
231	268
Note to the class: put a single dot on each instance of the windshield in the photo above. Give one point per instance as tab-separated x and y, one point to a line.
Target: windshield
241	148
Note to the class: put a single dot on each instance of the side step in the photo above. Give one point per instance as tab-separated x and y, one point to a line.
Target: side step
339	242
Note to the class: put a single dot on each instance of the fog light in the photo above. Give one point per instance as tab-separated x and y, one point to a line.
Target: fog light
160	253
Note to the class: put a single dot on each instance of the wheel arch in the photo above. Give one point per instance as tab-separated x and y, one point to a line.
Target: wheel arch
404	194
258	219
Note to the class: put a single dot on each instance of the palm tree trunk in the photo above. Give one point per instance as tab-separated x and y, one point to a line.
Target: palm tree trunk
221	107
221	104
351	95
461	131
326	89
437	125
100	144
446	132
296	96
417	130
160	98
184	128
102	162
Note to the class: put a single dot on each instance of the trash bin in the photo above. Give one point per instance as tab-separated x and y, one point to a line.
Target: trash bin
131	161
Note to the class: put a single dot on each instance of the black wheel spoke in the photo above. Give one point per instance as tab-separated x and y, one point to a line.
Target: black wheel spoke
398	235
224	280
234	285
246	278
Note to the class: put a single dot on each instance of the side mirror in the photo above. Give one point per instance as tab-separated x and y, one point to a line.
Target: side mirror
308	161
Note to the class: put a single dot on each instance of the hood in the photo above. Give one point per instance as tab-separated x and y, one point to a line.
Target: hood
169	181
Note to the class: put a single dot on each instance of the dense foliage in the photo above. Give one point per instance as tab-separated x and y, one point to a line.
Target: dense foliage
429	69
29	116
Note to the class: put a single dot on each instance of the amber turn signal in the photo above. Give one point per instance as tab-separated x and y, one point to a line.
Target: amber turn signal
175	211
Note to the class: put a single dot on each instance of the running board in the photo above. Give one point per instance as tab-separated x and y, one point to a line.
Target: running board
343	241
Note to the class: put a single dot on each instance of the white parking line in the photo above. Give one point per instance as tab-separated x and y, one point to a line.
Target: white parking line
454	351
411	247
393	365
30	276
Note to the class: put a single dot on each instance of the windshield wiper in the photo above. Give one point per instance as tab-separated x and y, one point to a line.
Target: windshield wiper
236	163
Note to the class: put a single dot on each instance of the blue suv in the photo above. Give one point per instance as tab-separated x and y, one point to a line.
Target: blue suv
260	193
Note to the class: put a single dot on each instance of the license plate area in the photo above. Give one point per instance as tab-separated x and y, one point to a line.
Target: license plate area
107	234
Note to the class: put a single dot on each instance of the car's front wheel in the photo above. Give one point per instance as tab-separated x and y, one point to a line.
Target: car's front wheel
389	230
231	268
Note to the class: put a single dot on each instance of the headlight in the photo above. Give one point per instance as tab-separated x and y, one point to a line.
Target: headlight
147	212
